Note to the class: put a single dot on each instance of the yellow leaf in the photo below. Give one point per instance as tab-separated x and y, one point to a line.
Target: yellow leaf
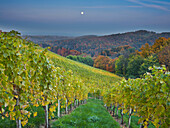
3	110
43	104
145	123
12	115
16	96
6	114
13	118
11	108
24	122
36	105
46	103
53	115
35	114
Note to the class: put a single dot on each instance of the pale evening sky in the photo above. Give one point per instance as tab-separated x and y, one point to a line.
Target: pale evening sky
63	17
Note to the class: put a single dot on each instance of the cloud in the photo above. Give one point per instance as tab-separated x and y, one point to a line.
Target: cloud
151	5
104	7
159	2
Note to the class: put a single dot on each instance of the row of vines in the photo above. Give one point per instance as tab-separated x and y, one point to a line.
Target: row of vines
28	77
147	98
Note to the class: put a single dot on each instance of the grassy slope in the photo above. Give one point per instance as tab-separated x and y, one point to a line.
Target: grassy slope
88	74
90	115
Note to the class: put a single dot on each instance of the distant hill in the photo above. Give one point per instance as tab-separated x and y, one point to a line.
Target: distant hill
117	51
40	38
94	45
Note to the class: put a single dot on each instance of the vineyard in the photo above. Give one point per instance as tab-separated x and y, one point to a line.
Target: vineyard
34	79
147	98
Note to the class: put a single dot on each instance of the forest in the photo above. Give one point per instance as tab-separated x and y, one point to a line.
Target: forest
134	63
94	45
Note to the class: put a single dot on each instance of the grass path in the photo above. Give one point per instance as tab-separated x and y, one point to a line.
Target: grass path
90	115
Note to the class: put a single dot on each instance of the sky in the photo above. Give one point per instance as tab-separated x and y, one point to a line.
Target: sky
101	17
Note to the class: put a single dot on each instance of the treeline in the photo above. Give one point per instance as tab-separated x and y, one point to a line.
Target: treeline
86	60
135	64
60	50
94	45
117	51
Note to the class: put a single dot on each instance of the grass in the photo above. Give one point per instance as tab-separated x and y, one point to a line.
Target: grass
90	115
7	123
134	120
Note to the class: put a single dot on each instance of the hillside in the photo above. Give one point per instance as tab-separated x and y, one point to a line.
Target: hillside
40	38
93	45
91	76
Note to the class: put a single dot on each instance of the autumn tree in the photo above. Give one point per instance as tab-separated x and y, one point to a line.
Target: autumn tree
160	44
101	62
111	65
145	50
164	57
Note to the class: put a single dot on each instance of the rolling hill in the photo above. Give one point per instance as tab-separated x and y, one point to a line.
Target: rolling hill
93	45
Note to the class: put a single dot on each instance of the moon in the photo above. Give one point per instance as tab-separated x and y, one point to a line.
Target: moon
82	13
